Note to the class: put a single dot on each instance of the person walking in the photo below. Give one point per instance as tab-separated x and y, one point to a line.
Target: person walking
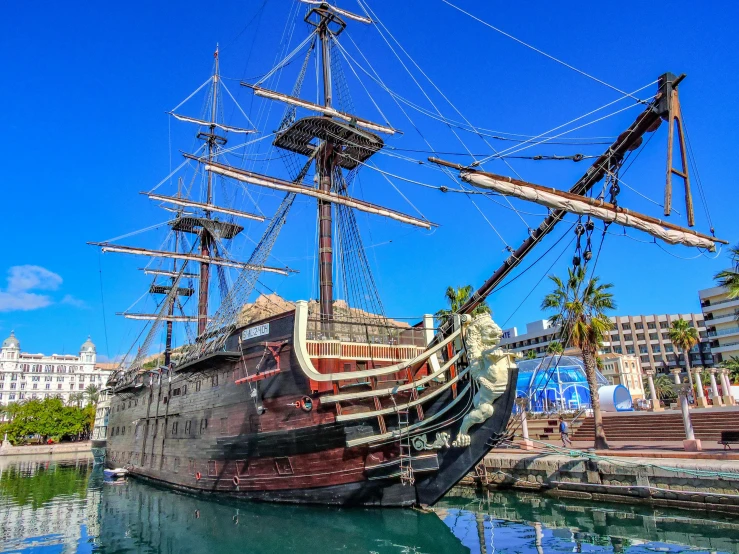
564	433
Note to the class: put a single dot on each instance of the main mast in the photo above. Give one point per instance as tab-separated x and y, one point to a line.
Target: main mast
325	172
205	238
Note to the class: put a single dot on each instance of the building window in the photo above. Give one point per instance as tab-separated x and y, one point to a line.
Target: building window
203	425
629	349
639	326
174	427
656	349
653	336
651	325
664	325
643	350
628	337
187	427
214	380
48	386
626	326
197	386
176	392
212	468
59	386
176	466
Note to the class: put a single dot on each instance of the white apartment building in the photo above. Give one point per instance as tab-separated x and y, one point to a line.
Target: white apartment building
25	376
645	336
720	314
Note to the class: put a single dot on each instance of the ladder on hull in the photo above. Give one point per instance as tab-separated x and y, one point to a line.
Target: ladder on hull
404	443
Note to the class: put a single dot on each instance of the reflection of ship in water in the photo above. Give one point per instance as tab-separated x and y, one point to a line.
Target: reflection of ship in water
139	517
584	522
47	503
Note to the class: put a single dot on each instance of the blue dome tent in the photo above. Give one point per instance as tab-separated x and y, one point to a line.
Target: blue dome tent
555	383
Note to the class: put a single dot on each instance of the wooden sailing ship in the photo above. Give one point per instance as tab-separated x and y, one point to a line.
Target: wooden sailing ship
314	404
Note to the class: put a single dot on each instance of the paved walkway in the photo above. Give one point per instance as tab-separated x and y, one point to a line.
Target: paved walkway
636	449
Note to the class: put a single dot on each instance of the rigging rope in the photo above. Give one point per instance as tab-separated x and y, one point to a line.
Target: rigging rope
573	68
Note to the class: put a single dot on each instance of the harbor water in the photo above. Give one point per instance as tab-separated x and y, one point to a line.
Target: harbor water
52	505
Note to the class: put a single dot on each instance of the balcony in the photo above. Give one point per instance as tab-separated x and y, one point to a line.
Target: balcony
727	303
724	348
724	332
726	318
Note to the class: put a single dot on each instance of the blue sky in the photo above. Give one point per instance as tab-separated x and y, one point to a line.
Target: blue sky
87	87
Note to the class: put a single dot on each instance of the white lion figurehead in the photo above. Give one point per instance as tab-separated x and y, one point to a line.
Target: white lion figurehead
482	333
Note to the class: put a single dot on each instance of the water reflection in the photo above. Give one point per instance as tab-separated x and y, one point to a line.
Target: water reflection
548	524
68	507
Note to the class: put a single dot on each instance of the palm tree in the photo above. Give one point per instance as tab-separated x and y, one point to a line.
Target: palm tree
729	278
76	399
555	347
456	297
530	355
663	386
732	364
92	392
581	306
684	337
8	412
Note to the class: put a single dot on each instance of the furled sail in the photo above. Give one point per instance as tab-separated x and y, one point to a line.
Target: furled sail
325	110
203	206
204	123
560	200
287	186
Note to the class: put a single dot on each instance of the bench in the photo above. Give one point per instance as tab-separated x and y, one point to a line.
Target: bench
728	438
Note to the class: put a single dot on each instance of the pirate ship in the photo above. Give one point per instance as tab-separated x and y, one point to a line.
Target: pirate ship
325	401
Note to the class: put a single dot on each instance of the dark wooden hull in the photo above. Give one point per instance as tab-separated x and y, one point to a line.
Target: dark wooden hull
201	432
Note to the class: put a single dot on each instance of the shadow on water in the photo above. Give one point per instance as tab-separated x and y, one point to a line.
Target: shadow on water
68	506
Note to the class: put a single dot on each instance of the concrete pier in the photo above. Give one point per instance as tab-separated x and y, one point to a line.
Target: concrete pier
683	483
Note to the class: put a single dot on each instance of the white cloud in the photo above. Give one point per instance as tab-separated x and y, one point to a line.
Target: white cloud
72	301
22	280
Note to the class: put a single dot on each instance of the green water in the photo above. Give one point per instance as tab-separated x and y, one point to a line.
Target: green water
67	506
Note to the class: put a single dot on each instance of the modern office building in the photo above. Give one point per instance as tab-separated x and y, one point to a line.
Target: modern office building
24	376
720	314
645	336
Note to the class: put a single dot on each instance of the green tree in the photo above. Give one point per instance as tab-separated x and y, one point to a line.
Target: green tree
530	355
456	298
48	418
555	347
729	278
684	337
581	306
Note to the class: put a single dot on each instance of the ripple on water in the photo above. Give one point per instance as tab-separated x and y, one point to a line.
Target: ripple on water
67	506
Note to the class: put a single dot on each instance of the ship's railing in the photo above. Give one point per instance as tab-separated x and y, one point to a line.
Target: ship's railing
368	331
361	351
